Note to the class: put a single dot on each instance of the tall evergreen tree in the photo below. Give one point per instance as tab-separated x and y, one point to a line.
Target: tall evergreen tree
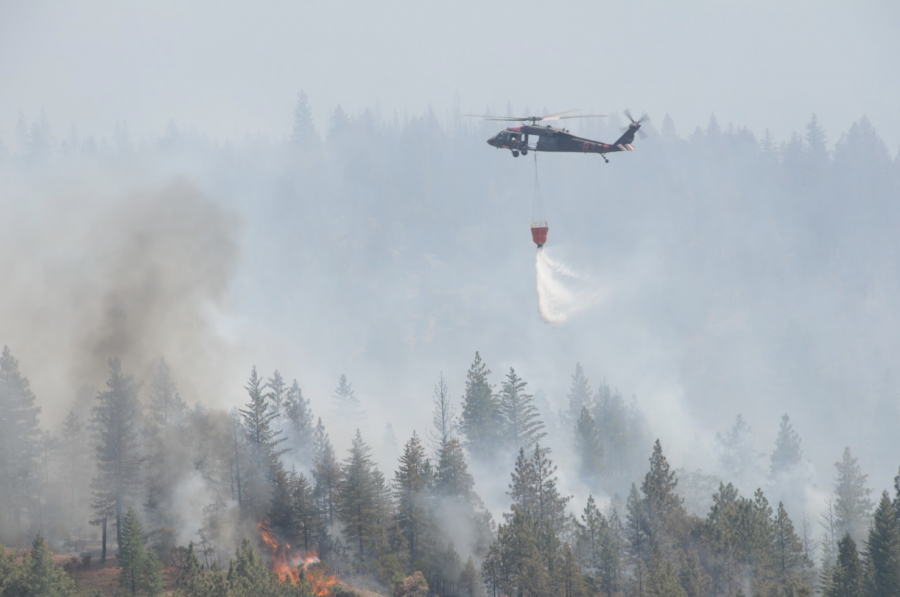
481	422
19	440
787	453
326	472
357	498
589	446
303	134
74	463
883	551
300	427
522	427
790	560
579	395
852	505
140	571
167	442
443	417
737	453
847	577
277	394
116	418
345	403
411	482
664	508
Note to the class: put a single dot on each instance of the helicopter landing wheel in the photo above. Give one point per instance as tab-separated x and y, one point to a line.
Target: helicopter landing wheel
524	152
515	153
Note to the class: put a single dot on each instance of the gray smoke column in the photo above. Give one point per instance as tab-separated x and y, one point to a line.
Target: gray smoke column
100	272
562	292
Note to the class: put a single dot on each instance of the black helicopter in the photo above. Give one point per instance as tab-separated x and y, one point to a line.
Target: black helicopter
515	138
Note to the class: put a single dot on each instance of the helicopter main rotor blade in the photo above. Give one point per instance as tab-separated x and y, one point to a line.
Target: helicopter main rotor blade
580	116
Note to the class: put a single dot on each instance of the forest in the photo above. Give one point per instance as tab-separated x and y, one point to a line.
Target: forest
162	450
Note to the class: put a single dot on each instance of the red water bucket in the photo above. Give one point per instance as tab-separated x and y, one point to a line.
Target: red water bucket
539	233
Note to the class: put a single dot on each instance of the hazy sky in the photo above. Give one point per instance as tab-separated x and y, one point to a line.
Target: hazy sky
228	68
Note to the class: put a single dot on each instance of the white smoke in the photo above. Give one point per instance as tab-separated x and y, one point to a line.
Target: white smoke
562	292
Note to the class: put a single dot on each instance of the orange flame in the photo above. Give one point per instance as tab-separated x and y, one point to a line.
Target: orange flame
296	567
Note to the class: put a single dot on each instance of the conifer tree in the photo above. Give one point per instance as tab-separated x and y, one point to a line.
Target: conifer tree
307	525
589	446
300	427
346	404
852	506
41	577
410	484
468	579
737	453
883	551
789	557
357	497
276	395
115	419
75	456
848	577
637	536
258	418
140	572
787	453
19	439
326	472
481	422
303	134
579	395
165	426
443	417
664	508
662	580
522	427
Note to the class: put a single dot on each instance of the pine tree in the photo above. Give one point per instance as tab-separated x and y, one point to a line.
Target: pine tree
300	428
165	426
304	135
787	453
481	422
346	404
662	580
357	498
579	395
590	536
326	472
258	418
589	446
852	506
883	551
789	557
276	395
522	427
74	463
737	453
138	571
166	409
637	535
443	417
307	524
468	579
115	419
410	484
664	508
41	577
19	439
248	575
848	576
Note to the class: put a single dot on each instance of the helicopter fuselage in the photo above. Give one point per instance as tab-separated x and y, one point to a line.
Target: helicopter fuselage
552	139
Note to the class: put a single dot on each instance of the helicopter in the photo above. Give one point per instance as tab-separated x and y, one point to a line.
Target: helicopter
515	138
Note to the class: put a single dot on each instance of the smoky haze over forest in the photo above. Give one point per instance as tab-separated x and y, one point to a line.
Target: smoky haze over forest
741	264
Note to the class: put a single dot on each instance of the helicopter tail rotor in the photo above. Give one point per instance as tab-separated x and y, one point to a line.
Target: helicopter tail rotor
636	124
